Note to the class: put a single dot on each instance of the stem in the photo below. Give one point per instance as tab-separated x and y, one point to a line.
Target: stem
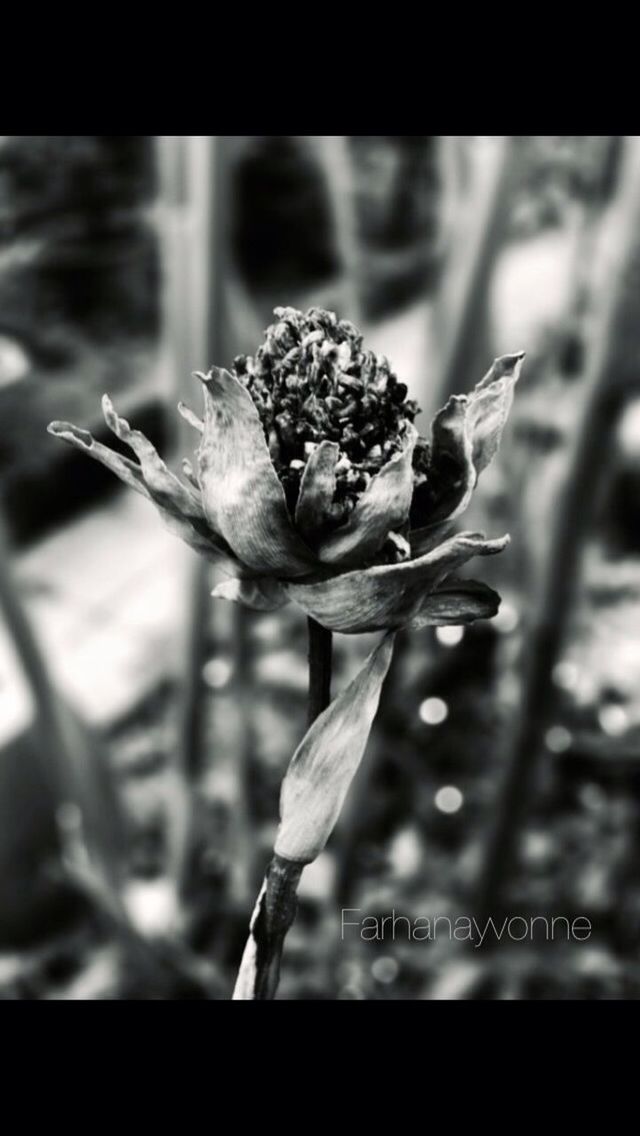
319	669
275	909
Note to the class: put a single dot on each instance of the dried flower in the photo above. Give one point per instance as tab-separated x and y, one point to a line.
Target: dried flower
312	484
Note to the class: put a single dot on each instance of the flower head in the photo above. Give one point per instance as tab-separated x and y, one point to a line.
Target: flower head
311	381
312	484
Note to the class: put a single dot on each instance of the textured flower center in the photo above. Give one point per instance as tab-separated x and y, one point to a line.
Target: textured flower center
311	381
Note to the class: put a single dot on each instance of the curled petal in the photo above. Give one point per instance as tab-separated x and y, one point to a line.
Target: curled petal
383	506
164	486
489	407
124	468
259	595
317	488
323	766
465	436
190	417
389	595
451	476
241	493
192	529
456	601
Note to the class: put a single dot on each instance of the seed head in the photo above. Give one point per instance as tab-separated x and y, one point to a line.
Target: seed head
312	380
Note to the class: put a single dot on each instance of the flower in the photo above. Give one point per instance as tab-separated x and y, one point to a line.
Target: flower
312	484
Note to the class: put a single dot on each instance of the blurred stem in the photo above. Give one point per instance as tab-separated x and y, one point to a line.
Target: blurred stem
607	369
275	910
192	710
68	753
474	230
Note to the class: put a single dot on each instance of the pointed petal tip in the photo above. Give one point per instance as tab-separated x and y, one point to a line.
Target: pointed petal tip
70	433
109	413
508	365
214	376
190	416
498	544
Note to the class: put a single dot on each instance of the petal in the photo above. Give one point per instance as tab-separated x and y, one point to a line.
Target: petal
241	493
317	488
456	601
124	468
428	538
465	436
451	475
187	413
199	538
259	595
489	407
165	488
323	766
389	595
187	470
383	506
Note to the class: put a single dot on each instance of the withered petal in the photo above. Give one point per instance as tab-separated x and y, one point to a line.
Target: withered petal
465	436
189	416
264	594
197	536
383	507
489	407
317	488
241	493
428	538
390	595
124	468
166	489
456	601
323	766
451	476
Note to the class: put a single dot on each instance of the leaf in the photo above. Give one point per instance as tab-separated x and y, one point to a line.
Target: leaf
326	760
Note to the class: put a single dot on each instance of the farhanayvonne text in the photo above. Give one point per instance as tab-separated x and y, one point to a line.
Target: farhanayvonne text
462	928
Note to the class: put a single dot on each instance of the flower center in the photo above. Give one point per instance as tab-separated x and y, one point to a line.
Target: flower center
312	381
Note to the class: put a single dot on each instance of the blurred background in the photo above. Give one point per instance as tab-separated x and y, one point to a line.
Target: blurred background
145	729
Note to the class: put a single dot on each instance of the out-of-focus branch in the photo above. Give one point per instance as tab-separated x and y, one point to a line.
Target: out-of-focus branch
336	161
195	190
615	321
474	230
66	751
